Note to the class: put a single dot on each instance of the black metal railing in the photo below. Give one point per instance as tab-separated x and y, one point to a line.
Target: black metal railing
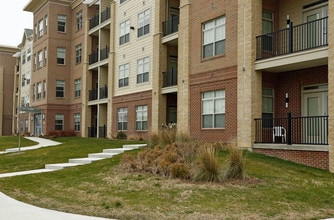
104	92
292	130
94	21
169	78
171	26
93	94
93	57
105	15
103	131
104	53
92	131
297	38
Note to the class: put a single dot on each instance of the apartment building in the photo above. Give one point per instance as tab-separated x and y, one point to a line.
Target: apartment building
7	72
21	102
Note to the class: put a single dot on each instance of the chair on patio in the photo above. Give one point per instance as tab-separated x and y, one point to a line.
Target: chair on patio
279	131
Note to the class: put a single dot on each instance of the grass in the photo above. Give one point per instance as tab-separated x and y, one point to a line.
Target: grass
13	141
274	189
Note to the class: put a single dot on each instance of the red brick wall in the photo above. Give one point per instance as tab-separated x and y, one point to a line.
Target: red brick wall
216	80
318	159
130	102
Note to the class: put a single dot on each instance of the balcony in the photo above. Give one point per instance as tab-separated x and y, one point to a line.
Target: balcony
93	94
169	78
104	92
294	39
94	57
94	21
171	26
104	53
310	130
105	15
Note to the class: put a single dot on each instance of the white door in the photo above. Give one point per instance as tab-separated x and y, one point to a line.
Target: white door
315	128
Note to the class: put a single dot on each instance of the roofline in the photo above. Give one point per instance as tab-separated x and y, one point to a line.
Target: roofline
9	49
34	5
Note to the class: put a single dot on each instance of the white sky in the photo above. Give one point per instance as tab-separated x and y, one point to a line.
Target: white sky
13	21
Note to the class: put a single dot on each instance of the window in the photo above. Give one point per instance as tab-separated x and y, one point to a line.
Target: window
143	69
213	109
267	27
23	80
77	122
77	87
123	75
60	88
23	57
121	1
33	92
79	21
26	127
214	37
61	53
45	56
267	107
144	23
44	88
29	54
35	61
59	122
28	78
45	24
40	28
122	123
40	59
22	102
78	53
141	118
39	90
27	100
61	23
124	33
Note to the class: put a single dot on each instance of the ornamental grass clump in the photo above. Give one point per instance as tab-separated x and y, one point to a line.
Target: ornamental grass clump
235	167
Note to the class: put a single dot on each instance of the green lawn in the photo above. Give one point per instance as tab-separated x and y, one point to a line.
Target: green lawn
275	189
13	141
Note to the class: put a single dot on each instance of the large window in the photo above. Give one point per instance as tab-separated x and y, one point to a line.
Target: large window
29	55
60	88
45	24
59	122
214	37
45	56
44	88
77	88
79	20
62	23
40	28
123	75
122	116
124	32
39	90
143	69
144	23
213	109
141	118
23	58
267	107
77	122
40	59
61	54
78	53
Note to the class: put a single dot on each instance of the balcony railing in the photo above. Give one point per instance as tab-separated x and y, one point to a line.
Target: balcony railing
104	92
103	131
93	94
94	57
104	53
170	26
170	78
297	38
312	130
105	15
92	131
94	21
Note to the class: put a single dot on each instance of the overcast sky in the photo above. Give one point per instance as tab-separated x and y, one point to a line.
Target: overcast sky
13	20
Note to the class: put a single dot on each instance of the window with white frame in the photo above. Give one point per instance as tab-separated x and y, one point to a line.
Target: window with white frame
123	79
27	100
28	54
45	24
76	122
23	57
45	56
33	90
40	59
78	53
143	69
77	88
61	23
27	77
59	122
267	107
214	37
39	90
40	28
79	21
122	116
141	118
213	109
23	80
143	23
61	54
44	88
60	88
124	32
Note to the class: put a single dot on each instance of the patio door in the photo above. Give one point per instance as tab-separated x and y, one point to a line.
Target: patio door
315	127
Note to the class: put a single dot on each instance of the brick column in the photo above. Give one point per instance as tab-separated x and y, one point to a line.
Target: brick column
249	80
331	83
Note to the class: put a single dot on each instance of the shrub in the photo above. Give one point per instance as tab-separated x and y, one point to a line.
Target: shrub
235	168
168	137
179	170
153	140
121	135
